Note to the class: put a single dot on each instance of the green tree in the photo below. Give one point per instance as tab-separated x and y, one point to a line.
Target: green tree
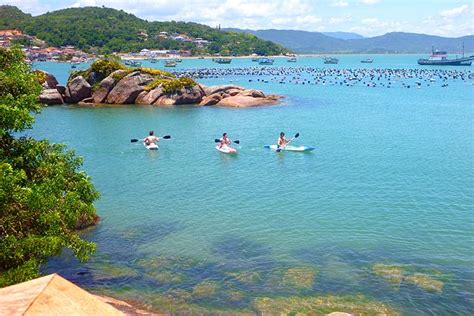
44	197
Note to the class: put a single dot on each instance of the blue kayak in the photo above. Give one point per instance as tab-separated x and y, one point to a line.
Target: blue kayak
291	148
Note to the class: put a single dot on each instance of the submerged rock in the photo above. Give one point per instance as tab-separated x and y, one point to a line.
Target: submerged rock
396	274
321	305
166	277
425	282
391	273
205	289
299	278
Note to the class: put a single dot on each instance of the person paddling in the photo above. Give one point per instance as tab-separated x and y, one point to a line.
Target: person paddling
282	141
151	139
225	141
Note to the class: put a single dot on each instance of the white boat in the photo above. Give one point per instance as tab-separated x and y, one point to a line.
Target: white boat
170	63
265	61
152	146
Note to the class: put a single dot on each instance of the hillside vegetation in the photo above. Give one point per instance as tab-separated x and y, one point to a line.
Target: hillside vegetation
111	30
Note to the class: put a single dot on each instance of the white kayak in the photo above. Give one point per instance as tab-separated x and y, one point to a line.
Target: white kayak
291	148
152	146
226	149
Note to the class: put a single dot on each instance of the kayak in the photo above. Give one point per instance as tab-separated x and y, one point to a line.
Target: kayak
291	148
152	146
226	149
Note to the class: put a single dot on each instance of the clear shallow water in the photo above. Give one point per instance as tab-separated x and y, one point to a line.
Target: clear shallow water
391	182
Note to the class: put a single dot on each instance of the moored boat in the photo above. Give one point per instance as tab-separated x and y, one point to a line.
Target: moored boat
367	61
330	60
440	58
265	61
223	60
292	60
170	63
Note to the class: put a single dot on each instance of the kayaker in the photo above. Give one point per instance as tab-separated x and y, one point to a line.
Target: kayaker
225	141
151	139
282	141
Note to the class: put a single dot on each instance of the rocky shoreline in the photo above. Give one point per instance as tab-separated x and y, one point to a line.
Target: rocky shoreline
143	86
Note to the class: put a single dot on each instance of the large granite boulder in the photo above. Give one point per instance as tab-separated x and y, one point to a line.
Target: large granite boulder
189	95
50	81
94	77
51	97
211	99
222	88
77	90
165	100
106	86
243	101
252	93
127	90
149	97
184	96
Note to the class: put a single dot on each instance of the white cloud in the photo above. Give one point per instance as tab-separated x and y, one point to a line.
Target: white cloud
369	2
309	15
340	3
29	6
374	26
340	20
454	12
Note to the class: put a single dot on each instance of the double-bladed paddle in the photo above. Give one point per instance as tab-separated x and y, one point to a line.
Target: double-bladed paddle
218	141
140	140
279	149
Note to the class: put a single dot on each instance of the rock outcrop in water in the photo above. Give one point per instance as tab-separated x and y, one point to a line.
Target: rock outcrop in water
144	86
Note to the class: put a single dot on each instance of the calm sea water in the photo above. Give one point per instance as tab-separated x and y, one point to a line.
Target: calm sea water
391	182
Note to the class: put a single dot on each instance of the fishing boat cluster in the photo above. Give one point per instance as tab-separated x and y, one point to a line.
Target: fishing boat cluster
386	77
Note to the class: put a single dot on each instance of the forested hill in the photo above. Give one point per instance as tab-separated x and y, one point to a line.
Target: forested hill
11	17
112	30
395	42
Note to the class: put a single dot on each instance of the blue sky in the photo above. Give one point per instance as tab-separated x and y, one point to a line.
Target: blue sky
366	17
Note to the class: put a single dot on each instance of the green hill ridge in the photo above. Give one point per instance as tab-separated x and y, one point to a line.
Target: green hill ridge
110	30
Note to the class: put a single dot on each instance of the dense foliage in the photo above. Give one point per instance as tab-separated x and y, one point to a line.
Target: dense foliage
101	68
44	197
11	17
117	31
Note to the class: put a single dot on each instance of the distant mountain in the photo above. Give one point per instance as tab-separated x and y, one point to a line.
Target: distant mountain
399	42
396	42
343	35
111	30
298	41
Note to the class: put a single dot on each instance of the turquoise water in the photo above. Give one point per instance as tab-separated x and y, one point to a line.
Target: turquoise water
390	182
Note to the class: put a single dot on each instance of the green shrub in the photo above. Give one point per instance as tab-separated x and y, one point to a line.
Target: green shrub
170	86
44	196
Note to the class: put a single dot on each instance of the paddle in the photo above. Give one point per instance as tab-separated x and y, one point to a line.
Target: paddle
218	141
136	140
282	147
